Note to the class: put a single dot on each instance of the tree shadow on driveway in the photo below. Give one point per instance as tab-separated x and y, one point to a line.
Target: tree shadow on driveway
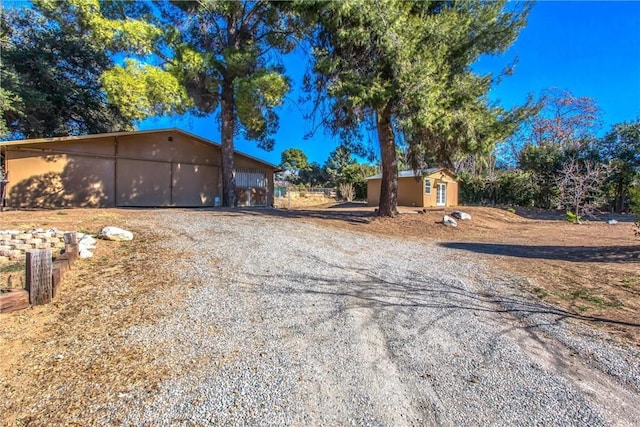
612	254
356	216
413	291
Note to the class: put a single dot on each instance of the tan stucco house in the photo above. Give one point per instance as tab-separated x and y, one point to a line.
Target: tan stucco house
168	167
432	187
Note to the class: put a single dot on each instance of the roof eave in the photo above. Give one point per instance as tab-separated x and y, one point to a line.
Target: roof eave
129	133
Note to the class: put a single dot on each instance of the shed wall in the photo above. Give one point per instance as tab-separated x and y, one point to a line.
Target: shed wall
452	189
154	169
411	192
39	178
373	192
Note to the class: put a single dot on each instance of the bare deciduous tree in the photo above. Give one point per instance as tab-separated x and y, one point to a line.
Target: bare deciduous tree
580	184
346	191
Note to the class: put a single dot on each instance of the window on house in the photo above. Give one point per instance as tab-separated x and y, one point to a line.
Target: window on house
427	186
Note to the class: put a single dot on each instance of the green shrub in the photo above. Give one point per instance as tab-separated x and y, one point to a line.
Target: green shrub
573	218
516	187
510	187
472	189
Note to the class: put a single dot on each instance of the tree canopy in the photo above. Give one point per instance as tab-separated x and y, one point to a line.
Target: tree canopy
50	71
337	165
563	129
403	68
294	160
621	148
196	56
561	162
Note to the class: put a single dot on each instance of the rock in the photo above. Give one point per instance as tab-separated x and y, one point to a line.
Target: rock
612	222
115	233
461	215
85	253
449	222
86	242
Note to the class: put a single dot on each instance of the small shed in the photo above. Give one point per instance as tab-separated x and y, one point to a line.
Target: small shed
429	188
156	168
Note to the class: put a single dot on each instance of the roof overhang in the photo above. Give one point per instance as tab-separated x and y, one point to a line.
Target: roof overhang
23	142
412	173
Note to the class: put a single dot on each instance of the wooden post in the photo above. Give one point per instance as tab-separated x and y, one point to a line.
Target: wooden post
70	238
39	276
71	246
56	278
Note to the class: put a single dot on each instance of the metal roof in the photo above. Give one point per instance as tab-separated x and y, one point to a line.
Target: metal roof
131	133
410	173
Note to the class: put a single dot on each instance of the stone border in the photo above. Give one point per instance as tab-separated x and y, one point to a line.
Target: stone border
14	244
61	264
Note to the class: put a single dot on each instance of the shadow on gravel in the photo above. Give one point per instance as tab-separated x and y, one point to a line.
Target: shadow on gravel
352	216
614	254
416	291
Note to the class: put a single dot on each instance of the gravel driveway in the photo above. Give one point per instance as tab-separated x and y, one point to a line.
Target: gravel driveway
297	324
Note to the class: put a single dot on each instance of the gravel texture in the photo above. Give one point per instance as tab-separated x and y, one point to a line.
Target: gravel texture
297	324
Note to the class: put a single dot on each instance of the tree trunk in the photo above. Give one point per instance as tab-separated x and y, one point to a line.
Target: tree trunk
228	164
619	207
389	186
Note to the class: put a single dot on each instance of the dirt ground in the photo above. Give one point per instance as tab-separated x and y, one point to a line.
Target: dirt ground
591	270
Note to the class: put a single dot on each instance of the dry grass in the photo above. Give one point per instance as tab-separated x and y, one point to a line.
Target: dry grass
303	200
68	359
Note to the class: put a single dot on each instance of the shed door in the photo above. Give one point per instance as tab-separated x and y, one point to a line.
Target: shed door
143	183
441	195
194	185
152	184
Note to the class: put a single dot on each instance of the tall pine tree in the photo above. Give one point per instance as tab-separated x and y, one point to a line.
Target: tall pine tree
198	57
403	68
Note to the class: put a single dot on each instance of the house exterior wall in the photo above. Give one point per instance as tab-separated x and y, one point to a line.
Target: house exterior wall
143	183
162	168
200	177
167	146
166	169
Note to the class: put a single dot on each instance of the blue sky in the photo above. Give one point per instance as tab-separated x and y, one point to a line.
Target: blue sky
589	48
